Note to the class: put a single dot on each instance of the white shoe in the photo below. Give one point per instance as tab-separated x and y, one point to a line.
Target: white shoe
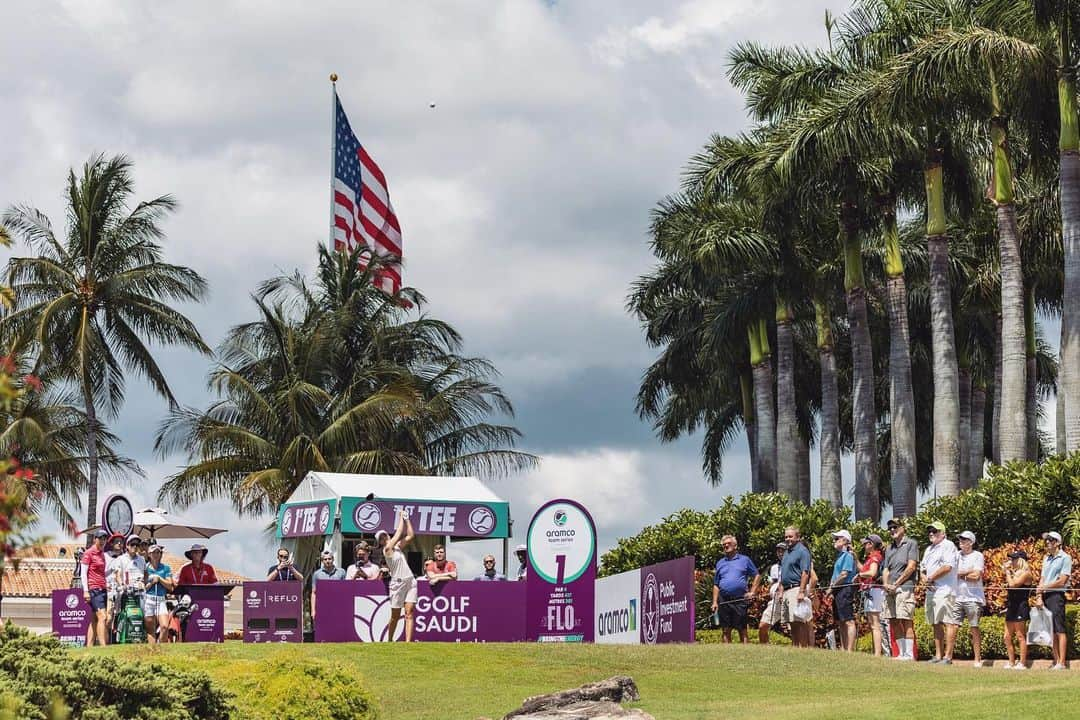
1059	666
1018	666
976	665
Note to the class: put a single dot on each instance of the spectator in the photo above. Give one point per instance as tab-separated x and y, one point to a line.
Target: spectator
1018	579
402	582
898	580
970	597
159	581
327	570
795	569
440	569
873	595
114	551
95	590
842	588
284	570
490	574
522	554
729	594
129	570
363	568
771	615
1056	569
197	572
939	570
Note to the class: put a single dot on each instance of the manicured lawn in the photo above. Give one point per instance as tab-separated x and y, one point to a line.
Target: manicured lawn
676	682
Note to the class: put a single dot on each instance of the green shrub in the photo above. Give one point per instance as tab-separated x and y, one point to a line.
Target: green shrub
36	672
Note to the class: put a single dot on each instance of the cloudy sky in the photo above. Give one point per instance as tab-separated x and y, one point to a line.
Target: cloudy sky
523	195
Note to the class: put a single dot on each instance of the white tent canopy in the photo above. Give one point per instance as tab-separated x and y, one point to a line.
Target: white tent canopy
326	486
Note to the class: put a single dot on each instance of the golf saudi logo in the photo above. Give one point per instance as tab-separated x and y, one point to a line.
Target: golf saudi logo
371	619
367	516
650	609
482	520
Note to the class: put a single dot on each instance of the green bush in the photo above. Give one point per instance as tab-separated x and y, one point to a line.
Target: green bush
756	520
39	678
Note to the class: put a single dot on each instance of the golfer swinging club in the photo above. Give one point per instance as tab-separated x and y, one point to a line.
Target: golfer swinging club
402	582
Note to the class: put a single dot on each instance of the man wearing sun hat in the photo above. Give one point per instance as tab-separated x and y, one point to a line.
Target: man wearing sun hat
1054	580
197	572
939	571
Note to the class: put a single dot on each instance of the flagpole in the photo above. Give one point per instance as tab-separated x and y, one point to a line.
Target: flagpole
333	151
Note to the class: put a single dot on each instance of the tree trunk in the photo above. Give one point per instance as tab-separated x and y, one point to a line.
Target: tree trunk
902	460
1069	146
1031	399
787	424
831	481
1013	428
746	386
946	430
978	434
995	430
965	428
763	408
92	517
804	469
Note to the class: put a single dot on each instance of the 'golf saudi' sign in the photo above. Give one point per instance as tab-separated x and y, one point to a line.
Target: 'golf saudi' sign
560	586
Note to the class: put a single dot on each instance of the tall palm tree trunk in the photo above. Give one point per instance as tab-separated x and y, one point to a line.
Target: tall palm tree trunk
763	407
829	448
1013	422
787	425
943	338
862	364
1069	148
965	427
91	454
746	387
1062	446
902	461
995	430
978	434
1031	400
804	469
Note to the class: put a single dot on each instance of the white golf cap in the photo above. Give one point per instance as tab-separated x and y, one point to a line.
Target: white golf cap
842	534
521	548
967	535
380	533
1052	536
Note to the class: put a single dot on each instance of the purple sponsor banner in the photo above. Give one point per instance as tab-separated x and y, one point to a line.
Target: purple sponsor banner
207	620
428	517
560	602
71	616
307	519
667	602
273	611
457	611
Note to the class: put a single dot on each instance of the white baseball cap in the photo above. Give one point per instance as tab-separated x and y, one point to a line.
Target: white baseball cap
1052	536
967	535
842	534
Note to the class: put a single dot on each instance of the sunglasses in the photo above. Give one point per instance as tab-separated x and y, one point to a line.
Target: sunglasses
282	557
489	562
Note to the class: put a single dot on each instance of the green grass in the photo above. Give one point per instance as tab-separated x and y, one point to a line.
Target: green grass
448	681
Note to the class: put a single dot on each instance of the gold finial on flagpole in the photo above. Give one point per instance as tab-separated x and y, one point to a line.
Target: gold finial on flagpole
333	77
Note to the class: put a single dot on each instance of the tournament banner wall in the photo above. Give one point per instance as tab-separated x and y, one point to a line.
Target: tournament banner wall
428	517
561	583
71	617
651	605
273	611
456	611
306	519
207	620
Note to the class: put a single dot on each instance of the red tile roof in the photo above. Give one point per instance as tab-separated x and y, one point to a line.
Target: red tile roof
42	569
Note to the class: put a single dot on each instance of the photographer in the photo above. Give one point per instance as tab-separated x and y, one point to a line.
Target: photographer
284	570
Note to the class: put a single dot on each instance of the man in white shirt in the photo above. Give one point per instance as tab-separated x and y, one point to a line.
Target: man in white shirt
771	615
363	568
970	597
939	570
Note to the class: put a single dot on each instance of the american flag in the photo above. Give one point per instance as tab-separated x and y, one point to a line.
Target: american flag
363	214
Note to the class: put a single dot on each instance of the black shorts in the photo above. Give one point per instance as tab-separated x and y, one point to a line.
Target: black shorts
1055	603
732	613
843	604
1016	606
99	599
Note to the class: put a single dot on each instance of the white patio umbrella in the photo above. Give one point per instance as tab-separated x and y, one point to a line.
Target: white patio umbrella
154	523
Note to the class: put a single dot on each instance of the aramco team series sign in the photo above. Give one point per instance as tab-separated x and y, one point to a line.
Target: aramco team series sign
559	595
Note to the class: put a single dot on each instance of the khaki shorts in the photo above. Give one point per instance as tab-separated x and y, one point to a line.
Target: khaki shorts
899	605
401	592
787	605
939	609
772	612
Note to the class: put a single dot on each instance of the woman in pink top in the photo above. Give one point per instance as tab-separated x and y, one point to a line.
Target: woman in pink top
869	585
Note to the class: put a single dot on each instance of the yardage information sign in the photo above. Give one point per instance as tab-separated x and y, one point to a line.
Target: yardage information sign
560	586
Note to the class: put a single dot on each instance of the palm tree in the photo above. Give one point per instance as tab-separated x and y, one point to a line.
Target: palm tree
292	400
90	302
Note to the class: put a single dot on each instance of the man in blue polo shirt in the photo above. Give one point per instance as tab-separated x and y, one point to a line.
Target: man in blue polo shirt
795	570
1054	581
729	592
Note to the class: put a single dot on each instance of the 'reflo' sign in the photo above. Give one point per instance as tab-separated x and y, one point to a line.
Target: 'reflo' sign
306	519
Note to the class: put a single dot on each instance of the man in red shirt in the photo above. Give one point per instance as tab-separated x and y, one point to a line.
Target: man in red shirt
95	591
440	569
196	572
